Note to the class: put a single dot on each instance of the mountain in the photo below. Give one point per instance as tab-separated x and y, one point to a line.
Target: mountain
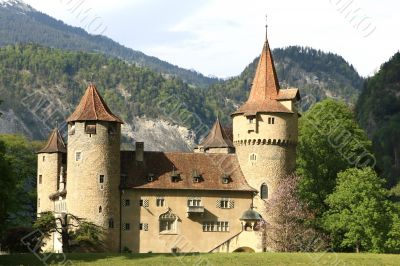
378	112
317	74
41	86
20	23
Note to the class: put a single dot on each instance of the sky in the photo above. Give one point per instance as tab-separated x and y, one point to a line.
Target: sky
221	37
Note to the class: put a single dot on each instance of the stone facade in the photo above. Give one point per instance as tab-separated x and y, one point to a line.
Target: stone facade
93	175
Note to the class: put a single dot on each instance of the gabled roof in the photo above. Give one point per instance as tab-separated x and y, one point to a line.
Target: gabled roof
93	108
217	138
55	143
162	165
265	90
289	94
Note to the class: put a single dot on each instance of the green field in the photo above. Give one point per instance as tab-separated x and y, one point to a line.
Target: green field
208	259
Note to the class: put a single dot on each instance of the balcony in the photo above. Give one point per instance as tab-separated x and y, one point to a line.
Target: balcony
195	209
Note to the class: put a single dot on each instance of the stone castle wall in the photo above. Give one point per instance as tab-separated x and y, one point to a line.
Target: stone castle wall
266	150
87	197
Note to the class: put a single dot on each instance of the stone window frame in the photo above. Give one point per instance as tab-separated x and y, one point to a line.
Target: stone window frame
271	120
194	202
264	191
80	156
144	202
216	226
126	227
168	223
228	203
143	227
253	157
160	201
40	179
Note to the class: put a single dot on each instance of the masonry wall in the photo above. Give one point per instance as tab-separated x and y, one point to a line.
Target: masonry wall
87	197
189	236
266	150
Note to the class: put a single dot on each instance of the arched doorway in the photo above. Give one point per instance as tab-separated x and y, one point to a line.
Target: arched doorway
244	249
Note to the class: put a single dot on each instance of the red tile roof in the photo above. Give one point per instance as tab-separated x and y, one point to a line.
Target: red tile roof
211	168
289	94
265	90
217	138
93	108
55	143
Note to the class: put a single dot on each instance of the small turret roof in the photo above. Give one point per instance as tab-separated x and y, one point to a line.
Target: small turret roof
251	215
93	108
217	138
55	143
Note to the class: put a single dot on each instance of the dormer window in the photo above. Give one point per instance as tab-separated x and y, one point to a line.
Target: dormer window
175	176
90	128
150	177
225	179
196	177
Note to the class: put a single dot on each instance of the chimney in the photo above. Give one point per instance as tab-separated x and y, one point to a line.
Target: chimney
139	150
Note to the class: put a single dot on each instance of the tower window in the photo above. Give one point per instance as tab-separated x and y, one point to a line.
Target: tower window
90	128
253	157
112	128
111	223
144	203
100	209
264	191
78	156
38	202
127	226
271	120
71	130
127	202
40	179
44	158
101	179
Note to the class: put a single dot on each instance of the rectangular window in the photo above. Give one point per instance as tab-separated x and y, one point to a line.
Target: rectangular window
110	223
38	202
127	227
271	120
90	128
40	179
216	226
225	203
127	202
195	202
78	156
144	203
44	158
143	227
160	202
101	179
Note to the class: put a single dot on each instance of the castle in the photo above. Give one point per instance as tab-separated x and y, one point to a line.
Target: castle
208	200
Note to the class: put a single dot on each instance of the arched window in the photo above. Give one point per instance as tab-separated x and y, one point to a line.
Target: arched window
264	191
168	223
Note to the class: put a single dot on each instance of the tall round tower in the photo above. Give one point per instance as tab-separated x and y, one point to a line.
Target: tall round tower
93	172
50	161
265	130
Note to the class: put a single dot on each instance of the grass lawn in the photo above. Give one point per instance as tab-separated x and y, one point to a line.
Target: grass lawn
207	259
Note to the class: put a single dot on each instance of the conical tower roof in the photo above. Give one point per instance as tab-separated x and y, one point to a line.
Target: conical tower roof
93	108
217	138
265	88
55	143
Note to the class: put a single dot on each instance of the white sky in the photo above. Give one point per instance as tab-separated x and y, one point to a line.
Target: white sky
221	37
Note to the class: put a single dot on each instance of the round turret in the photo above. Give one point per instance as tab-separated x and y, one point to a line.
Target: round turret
93	172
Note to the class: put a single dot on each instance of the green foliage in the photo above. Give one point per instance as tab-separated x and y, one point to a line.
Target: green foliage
20	154
330	141
7	189
36	27
88	238
46	223
128	90
378	111
12	240
360	214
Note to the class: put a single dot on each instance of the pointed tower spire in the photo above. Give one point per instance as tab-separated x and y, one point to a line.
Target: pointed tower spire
55	143
93	108
217	138
265	88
